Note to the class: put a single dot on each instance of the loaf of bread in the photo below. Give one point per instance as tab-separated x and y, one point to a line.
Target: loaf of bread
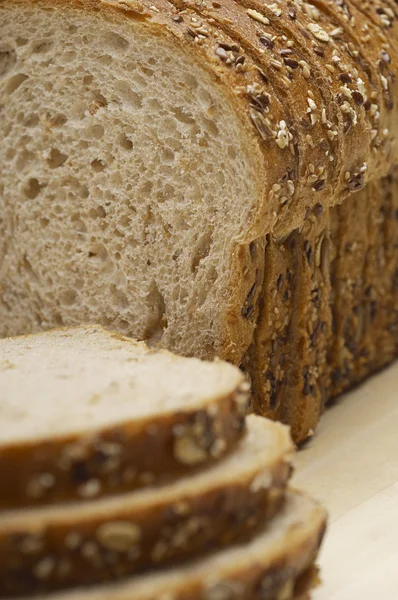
271	566
67	545
206	176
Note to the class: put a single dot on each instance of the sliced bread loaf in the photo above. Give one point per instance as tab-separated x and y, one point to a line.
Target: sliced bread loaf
86	412
64	545
156	154
265	568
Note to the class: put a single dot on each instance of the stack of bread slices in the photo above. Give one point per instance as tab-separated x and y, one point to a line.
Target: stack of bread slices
133	474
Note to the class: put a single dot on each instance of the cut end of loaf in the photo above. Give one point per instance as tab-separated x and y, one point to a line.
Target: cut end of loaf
119	154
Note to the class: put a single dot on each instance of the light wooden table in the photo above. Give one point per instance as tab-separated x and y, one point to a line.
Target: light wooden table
351	465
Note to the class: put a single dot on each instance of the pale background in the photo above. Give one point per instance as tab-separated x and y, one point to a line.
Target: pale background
352	467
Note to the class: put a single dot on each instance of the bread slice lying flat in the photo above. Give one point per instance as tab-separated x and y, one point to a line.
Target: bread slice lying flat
81	543
266	567
85	412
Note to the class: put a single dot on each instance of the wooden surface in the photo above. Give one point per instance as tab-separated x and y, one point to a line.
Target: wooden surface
351	465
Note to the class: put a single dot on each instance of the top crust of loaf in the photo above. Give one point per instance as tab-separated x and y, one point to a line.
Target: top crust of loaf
70	381
304	82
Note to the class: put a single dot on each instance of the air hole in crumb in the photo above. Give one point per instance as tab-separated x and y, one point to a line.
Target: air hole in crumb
168	156
99	102
8	58
232	152
41	46
127	94
211	127
44	222
191	81
154	104
31	121
181	116
87	79
201	250
72	28
14	82
23	159
125	221
56	158
146	189
21	41
78	223
96	131
119	298
167	193
68	297
56	120
97	213
97	165
105	59
33	188
84	192
114	41
98	251
125	142
156	320
69	56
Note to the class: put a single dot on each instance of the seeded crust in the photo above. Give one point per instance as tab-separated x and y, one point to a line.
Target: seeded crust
64	545
328	316
314	86
364	318
266	567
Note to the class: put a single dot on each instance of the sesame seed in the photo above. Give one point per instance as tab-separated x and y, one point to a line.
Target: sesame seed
317	31
118	535
44	568
276	64
345	91
257	16
311	104
336	32
90	488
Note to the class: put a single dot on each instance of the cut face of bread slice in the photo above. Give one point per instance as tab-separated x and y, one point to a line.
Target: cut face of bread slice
86	412
266	567
131	154
65	545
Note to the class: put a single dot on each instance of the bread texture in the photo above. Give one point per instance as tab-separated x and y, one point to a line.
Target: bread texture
266	567
60	546
187	173
86	412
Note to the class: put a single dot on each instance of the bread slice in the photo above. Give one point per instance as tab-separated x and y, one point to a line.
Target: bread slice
86	412
81	543
266	567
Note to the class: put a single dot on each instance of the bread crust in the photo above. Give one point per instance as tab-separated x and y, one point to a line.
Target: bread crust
69	545
328	318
